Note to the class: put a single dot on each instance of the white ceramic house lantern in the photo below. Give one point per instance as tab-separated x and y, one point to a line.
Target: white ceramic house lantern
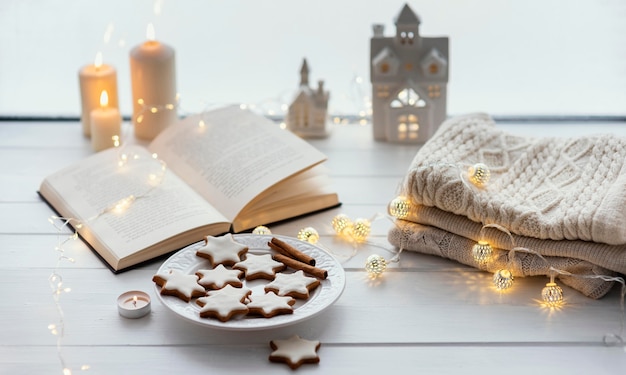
308	111
409	77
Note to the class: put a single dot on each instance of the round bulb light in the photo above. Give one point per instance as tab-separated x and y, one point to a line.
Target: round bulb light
479	174
552	294
482	251
362	229
308	234
342	225
375	265
261	229
503	279
399	207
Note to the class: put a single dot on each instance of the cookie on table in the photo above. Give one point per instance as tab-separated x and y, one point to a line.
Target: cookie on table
221	306
240	293
259	267
179	284
294	351
219	277
222	250
296	285
269	305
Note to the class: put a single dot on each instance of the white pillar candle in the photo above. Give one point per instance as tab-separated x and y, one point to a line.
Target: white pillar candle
106	124
93	79
153	76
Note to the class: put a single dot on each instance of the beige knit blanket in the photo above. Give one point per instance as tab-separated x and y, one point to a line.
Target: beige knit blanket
563	198
546	188
451	236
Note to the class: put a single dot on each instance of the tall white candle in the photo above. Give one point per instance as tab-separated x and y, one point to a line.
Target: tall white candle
93	79
153	76
106	124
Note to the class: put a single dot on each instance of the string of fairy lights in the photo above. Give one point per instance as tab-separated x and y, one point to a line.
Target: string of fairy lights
401	207
356	231
68	228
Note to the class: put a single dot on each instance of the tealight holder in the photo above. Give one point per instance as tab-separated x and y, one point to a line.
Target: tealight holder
133	304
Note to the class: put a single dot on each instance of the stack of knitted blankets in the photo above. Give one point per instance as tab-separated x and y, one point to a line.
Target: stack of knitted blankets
562	199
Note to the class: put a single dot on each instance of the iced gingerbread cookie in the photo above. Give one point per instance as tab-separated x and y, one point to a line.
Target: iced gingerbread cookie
294	351
222	250
240	293
259	267
221	306
219	277
181	285
296	285
269	305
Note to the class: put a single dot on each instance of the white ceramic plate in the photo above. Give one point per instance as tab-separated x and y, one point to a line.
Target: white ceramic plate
322	297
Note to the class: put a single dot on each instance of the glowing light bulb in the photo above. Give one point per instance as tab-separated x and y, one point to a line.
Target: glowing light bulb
482	251
399	207
361	231
308	234
261	230
552	294
342	225
123	204
503	279
375	265
479	174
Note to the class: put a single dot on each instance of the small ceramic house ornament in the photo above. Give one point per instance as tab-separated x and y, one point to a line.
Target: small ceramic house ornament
307	113
409	77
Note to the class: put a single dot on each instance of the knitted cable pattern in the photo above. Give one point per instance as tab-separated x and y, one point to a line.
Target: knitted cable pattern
546	188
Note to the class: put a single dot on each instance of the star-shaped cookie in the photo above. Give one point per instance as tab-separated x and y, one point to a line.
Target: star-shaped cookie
222	250
240	293
179	284
222	307
259	267
219	277
294	351
269	304
295	285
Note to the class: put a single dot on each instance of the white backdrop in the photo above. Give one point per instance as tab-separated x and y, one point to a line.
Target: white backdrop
532	57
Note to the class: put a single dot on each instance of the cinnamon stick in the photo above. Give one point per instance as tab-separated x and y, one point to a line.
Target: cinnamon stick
297	265
290	251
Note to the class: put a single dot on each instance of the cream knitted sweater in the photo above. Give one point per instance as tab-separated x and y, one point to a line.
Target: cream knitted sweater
546	188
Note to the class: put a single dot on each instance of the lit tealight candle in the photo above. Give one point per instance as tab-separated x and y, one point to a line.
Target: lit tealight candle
106	124
133	304
153	76
93	79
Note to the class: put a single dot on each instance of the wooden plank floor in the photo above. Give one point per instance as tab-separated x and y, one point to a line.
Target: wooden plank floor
426	315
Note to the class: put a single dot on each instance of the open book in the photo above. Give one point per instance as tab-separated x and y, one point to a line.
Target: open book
219	171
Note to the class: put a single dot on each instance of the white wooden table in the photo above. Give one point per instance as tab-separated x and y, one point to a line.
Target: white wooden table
426	315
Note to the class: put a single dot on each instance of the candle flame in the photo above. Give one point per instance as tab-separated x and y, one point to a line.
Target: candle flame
98	60
150	32
104	98
108	33
157	7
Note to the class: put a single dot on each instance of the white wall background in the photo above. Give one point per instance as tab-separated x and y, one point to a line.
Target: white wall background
538	57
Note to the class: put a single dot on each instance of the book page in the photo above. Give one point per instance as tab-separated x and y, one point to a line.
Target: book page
234	156
163	205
